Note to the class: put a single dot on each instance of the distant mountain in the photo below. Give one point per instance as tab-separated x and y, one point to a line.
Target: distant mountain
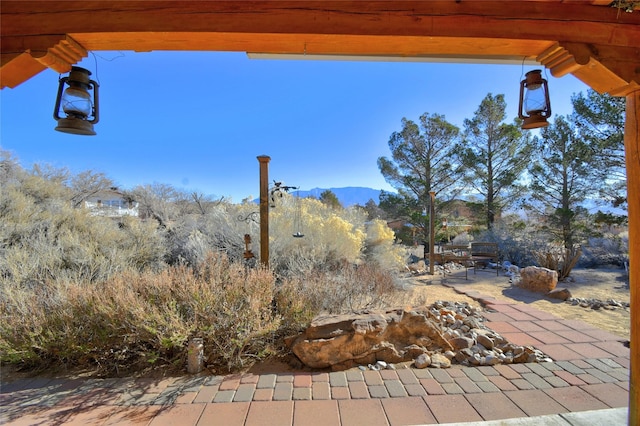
352	195
347	196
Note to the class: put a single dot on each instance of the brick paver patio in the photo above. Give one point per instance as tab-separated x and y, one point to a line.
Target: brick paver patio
590	372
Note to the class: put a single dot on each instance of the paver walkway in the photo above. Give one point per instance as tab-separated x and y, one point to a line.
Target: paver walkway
590	372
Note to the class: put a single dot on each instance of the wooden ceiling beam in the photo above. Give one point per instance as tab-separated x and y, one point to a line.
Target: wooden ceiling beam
479	19
605	69
589	39
18	68
408	46
61	55
25	57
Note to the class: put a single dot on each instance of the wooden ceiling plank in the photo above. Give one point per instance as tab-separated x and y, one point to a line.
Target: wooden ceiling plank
311	43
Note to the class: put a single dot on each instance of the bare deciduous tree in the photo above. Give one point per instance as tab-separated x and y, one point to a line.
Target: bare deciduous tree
87	184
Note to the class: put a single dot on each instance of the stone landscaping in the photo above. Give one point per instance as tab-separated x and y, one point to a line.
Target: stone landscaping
434	336
609	304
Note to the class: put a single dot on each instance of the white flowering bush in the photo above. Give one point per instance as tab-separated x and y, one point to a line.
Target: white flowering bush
381	247
329	236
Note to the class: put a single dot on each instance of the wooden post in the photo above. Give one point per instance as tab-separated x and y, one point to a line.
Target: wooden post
195	355
432	237
632	157
248	253
264	209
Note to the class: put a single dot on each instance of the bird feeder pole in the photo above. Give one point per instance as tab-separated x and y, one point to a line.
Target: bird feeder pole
432	238
264	209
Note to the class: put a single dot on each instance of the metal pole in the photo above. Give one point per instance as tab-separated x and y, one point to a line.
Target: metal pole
432	238
264	209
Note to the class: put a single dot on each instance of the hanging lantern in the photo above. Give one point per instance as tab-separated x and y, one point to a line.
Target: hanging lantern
534	107
81	111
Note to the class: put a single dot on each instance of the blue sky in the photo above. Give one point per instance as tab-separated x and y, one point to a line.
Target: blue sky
197	120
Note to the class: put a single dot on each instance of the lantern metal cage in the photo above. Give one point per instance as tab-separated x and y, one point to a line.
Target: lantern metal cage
81	110
534	107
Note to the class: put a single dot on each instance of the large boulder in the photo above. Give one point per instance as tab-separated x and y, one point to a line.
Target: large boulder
560	293
345	341
541	280
417	267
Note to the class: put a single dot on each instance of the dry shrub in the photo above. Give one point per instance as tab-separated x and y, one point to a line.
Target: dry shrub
138	320
560	260
351	288
83	290
42	238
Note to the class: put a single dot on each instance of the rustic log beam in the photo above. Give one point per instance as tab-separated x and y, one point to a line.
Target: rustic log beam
632	158
24	57
18	68
604	69
62	55
473	30
481	19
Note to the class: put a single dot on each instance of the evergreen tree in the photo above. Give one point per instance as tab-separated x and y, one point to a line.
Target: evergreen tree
600	122
562	177
373	211
329	198
494	155
421	162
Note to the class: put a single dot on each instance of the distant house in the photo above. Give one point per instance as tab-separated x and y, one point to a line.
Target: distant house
452	218
397	224
403	230
111	203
